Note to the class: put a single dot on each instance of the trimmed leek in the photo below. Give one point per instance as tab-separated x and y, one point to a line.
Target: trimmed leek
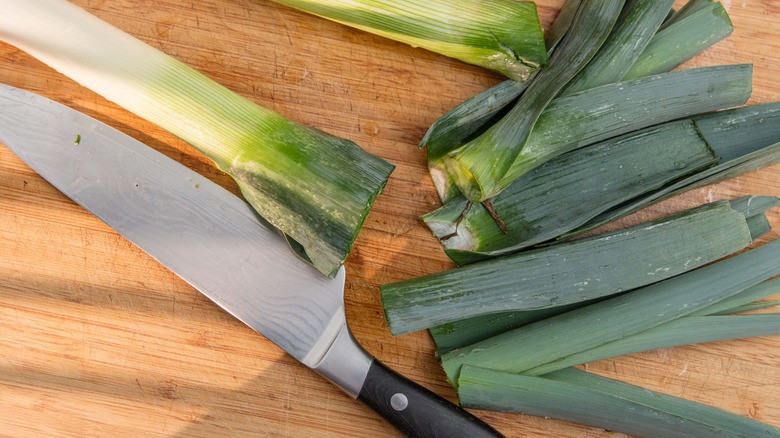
569	272
633	312
581	397
480	164
698	327
591	185
313	186
683	331
501	35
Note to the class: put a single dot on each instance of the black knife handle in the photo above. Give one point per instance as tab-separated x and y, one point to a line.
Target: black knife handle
415	411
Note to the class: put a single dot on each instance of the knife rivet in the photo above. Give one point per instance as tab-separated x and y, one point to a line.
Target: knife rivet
399	402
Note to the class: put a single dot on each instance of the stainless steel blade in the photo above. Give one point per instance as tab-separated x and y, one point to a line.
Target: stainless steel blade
200	231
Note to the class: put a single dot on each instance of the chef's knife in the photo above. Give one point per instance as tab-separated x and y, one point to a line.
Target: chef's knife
216	242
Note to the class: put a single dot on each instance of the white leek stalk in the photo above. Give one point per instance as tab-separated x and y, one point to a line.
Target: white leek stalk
314	187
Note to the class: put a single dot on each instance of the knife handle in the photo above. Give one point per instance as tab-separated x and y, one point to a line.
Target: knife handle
414	410
409	407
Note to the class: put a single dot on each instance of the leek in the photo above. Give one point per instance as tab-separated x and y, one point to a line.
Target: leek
636	26
701	23
314	187
480	164
501	35
581	397
745	139
584	118
469	331
570	272
567	191
633	312
683	331
593	185
706	325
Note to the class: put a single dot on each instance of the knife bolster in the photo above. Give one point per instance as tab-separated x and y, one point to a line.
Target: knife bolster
345	363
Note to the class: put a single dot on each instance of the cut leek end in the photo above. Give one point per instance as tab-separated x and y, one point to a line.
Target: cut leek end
445	186
319	202
508	65
475	171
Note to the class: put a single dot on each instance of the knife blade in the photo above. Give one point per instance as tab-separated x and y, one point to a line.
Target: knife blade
218	244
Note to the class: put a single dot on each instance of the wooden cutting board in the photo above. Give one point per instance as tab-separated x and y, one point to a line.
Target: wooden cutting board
99	340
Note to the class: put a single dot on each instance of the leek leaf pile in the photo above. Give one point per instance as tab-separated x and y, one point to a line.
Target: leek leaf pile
577	271
314	187
657	52
513	361
532	297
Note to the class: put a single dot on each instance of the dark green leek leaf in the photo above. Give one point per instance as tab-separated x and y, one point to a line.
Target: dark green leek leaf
700	25
469	331
746	139
636	26
581	397
569	190
683	331
569	272
480	164
624	315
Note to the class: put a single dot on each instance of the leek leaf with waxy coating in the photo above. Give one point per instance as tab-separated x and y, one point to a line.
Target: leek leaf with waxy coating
590	116
454	128
474	115
314	187
591	186
569	190
683	331
746	139
635	28
569	272
701	25
581	397
618	317
469	331
478	166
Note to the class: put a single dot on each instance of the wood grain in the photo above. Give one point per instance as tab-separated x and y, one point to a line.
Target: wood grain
98	340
